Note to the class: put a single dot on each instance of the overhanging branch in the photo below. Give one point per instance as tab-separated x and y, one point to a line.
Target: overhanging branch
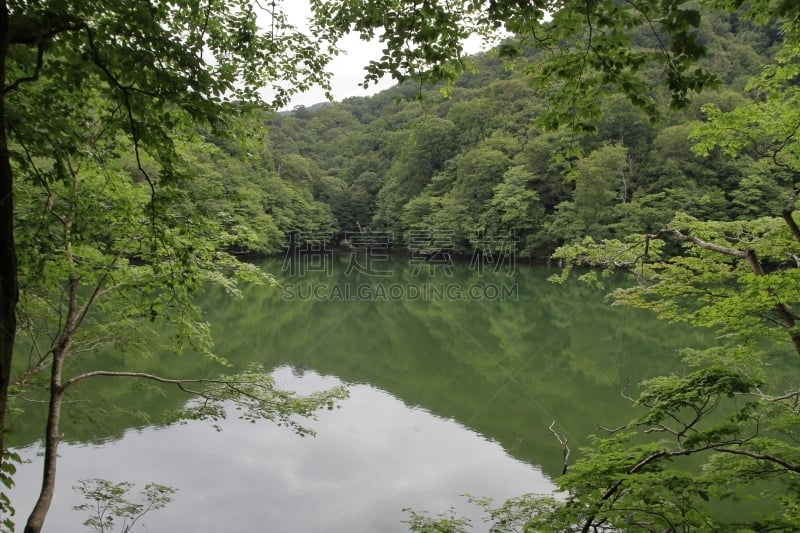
706	245
180	383
761	457
36	71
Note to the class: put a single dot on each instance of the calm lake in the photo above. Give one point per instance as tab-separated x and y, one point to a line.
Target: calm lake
455	374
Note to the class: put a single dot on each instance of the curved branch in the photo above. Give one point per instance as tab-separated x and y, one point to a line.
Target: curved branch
36	71
612	490
29	30
180	383
787	217
126	101
795	395
762	457
710	246
562	439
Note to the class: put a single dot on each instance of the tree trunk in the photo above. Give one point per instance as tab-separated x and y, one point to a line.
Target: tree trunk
52	434
785	315
9	290
788	217
51	441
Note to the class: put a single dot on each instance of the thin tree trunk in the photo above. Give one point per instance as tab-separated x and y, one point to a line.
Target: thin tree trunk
789	219
784	314
52	433
781	310
51	441
9	289
794	333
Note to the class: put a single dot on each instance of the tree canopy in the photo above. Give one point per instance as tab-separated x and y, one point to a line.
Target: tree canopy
589	49
99	102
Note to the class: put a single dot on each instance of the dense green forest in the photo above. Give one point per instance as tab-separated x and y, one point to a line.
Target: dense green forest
476	163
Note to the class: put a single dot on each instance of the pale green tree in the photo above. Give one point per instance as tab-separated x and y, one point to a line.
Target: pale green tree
151	62
602	181
97	265
430	143
80	79
109	504
515	208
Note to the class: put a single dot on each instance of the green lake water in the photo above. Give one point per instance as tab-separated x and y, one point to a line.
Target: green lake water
455	374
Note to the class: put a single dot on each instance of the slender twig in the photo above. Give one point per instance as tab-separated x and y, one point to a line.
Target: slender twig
562	439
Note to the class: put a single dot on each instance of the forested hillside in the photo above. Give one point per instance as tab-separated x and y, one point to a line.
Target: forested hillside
477	161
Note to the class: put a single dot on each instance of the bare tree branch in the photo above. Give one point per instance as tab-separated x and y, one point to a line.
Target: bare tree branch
761	457
733	252
562	439
180	383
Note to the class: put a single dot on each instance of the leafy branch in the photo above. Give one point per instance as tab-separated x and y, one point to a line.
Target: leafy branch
109	501
252	392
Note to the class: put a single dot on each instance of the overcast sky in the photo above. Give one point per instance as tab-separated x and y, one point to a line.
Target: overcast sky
347	68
